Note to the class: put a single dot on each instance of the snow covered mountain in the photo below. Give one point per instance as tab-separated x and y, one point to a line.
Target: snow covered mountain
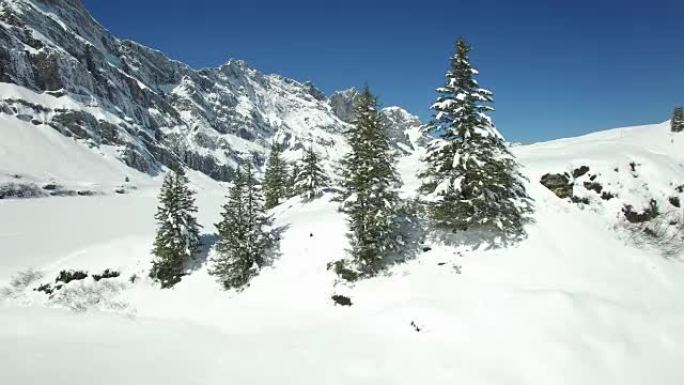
63	70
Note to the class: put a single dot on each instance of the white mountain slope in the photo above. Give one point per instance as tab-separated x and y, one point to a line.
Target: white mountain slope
575	303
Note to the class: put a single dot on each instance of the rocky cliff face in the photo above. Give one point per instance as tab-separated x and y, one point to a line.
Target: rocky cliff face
60	68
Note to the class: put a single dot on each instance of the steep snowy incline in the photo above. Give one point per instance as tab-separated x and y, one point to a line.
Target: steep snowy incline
573	303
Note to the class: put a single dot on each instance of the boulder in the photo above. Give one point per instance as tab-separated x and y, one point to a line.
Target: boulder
559	184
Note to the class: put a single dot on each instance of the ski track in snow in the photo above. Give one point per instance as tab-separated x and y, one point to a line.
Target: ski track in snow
572	304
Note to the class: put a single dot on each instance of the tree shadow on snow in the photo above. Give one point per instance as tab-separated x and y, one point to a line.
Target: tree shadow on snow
274	251
475	239
411	231
207	243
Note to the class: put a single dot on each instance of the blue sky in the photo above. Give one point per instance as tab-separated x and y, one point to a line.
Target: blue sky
557	68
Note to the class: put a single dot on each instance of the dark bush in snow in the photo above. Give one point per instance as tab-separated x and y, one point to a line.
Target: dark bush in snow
606	196
578	172
71	275
645	216
341	300
45	288
342	269
576	199
593	186
106	274
674	201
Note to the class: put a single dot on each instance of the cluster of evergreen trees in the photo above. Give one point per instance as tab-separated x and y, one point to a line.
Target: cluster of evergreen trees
244	238
471	181
677	122
307	179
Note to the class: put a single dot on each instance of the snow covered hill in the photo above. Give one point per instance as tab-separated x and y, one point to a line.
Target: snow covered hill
62	70
578	301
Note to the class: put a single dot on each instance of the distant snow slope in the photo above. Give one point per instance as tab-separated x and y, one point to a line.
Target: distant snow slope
575	303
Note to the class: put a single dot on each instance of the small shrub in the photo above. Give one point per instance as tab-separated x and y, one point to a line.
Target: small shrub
20	282
606	196
106	274
71	275
341	300
343	271
648	214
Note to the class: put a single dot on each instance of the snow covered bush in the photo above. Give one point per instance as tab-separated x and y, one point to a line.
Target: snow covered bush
20	191
19	283
661	230
81	296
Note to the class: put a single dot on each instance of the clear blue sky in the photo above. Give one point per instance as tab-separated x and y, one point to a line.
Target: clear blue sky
557	68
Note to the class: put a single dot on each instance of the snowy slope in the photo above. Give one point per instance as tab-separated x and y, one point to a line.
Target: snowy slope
574	303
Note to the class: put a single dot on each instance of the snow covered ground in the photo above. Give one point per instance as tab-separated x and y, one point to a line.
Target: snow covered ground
575	303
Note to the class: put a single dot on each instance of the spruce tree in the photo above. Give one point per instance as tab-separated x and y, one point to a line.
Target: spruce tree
677	122
472	180
369	189
177	238
243	236
312	179
292	180
275	177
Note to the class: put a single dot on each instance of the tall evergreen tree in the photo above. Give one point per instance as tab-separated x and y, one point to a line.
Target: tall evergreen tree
243	236
311	179
677	122
472	178
177	238
275	177
292	180
369	189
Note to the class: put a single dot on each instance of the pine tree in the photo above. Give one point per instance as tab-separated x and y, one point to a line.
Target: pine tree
243	237
369	189
472	178
275	177
312	179
292	181
177	238
677	122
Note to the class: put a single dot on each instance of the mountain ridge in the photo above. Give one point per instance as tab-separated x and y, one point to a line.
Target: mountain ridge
166	113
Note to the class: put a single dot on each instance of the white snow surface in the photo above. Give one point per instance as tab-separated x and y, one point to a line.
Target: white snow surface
574	303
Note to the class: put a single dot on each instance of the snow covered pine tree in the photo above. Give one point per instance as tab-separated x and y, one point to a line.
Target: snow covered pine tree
311	179
369	192
243	236
292	180
177	238
472	179
275	177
